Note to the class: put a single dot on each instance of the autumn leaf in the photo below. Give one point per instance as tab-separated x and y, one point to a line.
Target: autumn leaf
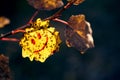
4	21
79	33
40	41
45	4
5	72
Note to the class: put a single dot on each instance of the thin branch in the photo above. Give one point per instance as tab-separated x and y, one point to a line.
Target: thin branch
64	22
11	32
61	21
35	14
22	27
17	31
56	15
10	39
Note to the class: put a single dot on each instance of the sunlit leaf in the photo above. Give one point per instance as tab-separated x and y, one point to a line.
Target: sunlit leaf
40	42
46	4
4	21
79	33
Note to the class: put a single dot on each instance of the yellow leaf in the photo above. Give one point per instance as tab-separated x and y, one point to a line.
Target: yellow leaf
38	44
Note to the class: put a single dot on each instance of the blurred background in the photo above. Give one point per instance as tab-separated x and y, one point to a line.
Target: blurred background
99	63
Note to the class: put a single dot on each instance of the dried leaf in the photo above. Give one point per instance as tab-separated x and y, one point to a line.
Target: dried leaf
46	4
76	2
79	34
5	73
4	21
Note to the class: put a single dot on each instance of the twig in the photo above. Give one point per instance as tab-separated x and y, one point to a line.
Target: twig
64	22
17	31
35	14
10	39
11	32
56	15
61	21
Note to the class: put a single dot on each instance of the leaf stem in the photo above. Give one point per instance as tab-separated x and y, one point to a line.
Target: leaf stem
64	22
35	14
61	21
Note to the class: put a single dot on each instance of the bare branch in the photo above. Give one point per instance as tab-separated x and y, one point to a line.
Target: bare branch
56	15
10	39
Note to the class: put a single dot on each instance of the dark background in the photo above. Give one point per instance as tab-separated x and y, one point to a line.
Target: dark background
99	63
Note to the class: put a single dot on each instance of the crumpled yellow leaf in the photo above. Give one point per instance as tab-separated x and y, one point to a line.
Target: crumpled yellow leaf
40	43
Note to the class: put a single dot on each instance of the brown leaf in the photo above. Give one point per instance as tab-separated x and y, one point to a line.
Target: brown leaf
46	4
79	33
4	21
4	68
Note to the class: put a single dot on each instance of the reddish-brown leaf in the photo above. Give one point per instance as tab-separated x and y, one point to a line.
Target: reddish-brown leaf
4	21
45	4
79	33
